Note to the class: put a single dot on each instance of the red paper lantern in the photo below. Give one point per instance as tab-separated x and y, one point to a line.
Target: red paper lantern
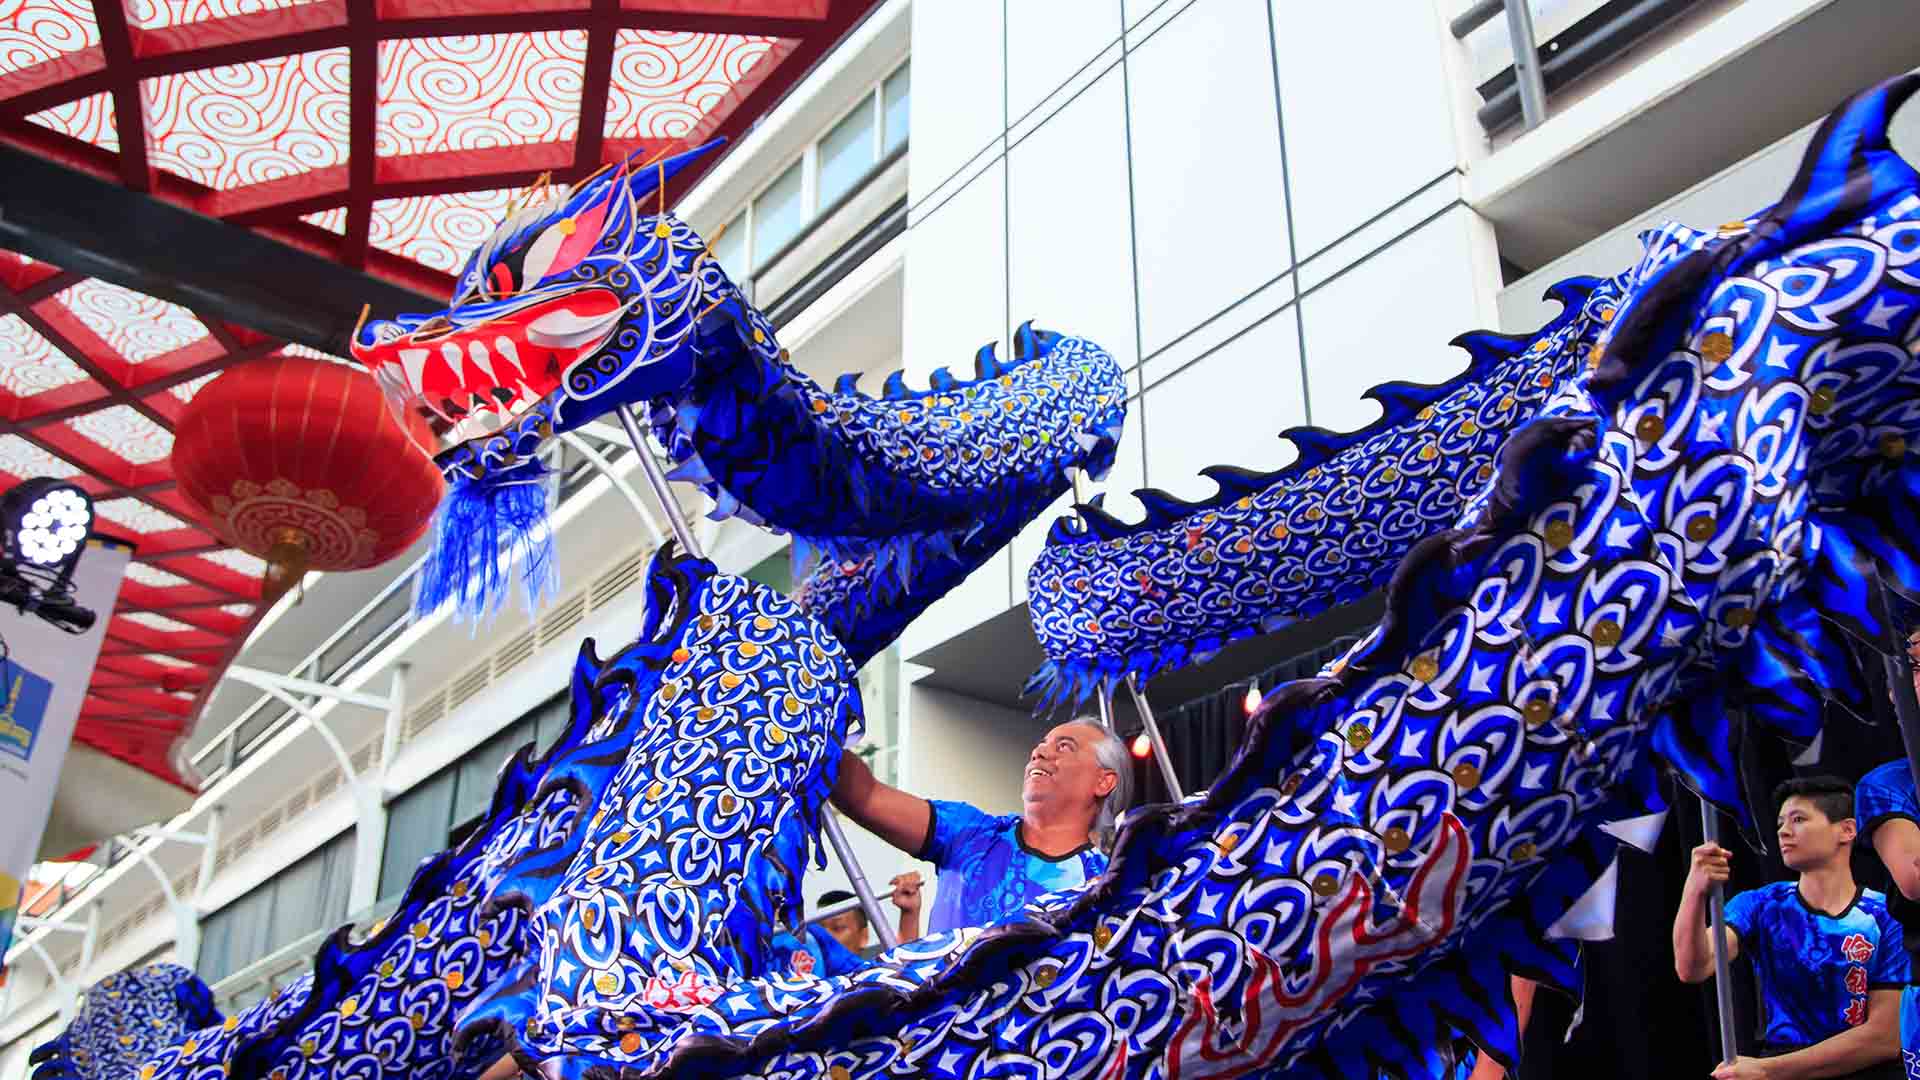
302	463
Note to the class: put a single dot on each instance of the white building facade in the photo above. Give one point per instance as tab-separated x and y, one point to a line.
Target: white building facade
1260	207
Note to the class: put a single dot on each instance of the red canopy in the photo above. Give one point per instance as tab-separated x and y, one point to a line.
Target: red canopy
384	134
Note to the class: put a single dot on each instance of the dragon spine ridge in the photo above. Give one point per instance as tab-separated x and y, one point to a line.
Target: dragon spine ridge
1110	601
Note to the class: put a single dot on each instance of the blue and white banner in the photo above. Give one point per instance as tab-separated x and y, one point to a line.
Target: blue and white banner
44	672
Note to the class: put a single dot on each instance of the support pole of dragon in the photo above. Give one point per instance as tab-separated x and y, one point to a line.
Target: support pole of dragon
829	820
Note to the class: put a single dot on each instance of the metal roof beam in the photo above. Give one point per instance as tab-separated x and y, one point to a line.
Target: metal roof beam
98	228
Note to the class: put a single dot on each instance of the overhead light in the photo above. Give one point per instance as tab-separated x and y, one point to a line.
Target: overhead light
46	523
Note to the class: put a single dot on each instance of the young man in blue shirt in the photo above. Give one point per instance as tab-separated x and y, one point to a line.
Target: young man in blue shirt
1076	783
1829	959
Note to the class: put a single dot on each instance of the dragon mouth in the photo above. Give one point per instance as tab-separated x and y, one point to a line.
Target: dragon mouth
497	366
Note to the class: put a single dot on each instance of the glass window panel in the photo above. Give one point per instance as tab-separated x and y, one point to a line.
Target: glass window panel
731	248
893	108
479	771
238	934
416	828
775	571
336	879
777	215
846	154
551	719
296	901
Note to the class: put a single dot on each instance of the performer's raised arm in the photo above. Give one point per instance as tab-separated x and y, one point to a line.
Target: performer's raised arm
885	811
1074	785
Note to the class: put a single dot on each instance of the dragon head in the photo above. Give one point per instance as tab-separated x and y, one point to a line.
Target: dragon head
579	290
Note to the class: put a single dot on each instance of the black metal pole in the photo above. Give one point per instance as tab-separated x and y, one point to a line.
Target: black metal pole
1717	920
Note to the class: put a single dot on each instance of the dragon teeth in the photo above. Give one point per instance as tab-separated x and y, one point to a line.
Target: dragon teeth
414	361
456	360
482	359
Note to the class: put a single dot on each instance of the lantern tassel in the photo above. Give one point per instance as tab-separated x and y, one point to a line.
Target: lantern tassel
482	528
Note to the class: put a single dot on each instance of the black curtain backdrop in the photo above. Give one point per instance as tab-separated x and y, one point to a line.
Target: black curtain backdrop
1638	1019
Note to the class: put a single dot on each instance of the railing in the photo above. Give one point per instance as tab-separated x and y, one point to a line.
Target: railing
1522	93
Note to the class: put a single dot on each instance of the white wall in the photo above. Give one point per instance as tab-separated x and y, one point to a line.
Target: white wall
1257	226
1744	189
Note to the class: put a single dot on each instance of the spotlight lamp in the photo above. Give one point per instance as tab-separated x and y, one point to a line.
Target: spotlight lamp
44	524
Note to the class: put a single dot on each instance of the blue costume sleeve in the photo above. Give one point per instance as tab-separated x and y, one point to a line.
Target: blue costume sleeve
836	958
951	830
1892	967
1741	908
1885	792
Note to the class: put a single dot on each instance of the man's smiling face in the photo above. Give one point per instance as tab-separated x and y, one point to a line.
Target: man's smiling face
1062	771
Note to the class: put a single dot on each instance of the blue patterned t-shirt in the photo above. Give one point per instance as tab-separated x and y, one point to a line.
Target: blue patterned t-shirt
1884	793
987	872
1815	969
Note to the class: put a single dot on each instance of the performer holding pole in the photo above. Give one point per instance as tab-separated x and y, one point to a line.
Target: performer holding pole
1828	958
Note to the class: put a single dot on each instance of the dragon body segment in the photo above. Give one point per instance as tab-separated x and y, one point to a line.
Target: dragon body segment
1111	600
1723	488
1680	529
124	1019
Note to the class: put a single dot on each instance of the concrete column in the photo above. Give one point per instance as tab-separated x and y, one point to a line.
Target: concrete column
209	852
91	939
186	934
370	801
396	717
369	839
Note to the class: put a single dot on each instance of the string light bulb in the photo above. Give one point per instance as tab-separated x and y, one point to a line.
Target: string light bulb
1252	700
1141	746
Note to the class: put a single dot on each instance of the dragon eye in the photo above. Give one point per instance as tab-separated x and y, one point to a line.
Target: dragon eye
544	251
501	279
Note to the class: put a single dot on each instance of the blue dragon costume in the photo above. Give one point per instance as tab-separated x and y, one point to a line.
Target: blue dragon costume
1664	517
126	1018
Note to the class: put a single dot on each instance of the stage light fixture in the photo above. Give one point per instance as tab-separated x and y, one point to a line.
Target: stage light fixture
44	525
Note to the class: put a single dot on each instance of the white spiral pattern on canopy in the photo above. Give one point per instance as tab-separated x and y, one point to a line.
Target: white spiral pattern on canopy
242	124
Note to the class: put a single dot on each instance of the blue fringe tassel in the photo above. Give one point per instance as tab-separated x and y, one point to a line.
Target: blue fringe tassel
478	532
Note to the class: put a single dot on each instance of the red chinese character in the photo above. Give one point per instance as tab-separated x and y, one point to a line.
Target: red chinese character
1856	980
1857	948
1857	1012
802	962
